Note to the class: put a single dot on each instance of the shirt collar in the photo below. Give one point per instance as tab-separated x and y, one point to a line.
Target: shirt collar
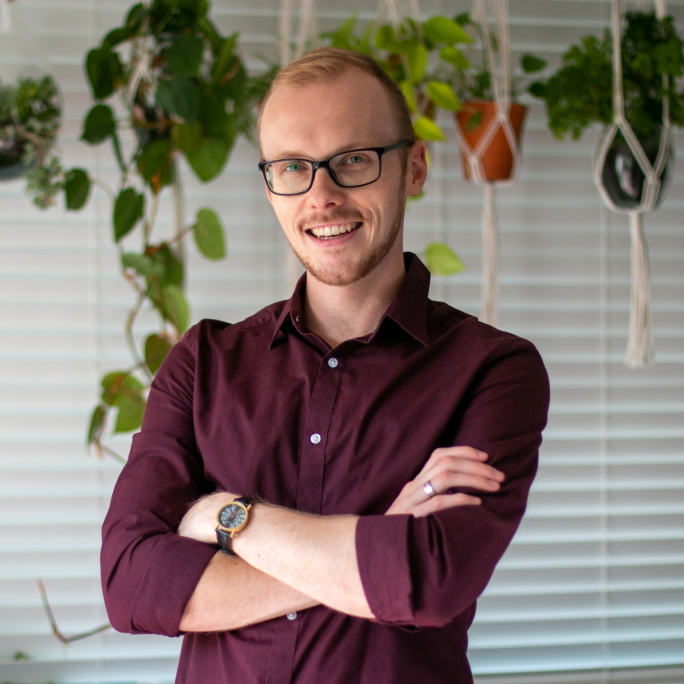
408	310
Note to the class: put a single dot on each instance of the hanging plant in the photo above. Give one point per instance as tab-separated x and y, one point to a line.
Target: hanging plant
489	146
580	95
30	114
167	85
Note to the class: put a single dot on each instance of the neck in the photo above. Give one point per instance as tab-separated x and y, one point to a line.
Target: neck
342	313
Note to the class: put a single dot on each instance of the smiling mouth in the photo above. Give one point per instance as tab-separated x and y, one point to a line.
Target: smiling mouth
330	232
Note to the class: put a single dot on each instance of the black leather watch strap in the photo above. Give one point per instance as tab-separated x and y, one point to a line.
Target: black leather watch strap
225	541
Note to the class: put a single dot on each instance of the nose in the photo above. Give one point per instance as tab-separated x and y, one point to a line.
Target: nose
324	191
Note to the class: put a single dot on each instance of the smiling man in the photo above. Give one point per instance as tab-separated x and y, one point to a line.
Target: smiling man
321	492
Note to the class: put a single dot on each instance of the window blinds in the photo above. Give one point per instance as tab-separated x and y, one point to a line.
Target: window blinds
592	589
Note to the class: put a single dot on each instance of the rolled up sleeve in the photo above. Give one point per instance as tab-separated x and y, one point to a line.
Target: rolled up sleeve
426	571
148	571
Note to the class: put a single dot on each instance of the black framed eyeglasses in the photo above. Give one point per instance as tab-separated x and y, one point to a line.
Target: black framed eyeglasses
349	169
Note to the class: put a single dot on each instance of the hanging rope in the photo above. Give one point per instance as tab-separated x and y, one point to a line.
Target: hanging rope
306	32
5	17
498	58
489	297
640	344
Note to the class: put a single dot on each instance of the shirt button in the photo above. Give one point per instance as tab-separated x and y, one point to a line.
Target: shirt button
333	363
315	438
292	616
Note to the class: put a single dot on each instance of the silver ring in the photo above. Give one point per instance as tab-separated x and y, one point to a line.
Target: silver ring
429	489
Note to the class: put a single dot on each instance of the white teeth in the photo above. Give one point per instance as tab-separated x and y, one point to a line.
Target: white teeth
330	231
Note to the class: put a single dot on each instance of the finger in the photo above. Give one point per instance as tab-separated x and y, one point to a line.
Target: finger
450	468
455	452
443	502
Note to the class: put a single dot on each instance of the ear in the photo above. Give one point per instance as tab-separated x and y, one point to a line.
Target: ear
416	169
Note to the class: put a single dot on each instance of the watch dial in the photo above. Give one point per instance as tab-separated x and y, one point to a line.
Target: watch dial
232	516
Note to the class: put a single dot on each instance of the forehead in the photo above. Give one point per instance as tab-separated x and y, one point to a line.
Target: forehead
321	118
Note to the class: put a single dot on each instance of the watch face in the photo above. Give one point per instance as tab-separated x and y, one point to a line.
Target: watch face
233	515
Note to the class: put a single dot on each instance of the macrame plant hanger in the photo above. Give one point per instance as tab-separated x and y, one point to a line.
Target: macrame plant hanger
640	346
5	17
289	49
500	64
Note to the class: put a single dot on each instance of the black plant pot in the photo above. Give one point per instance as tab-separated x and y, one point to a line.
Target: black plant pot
623	179
11	166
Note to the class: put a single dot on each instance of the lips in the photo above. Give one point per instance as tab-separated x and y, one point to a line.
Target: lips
332	231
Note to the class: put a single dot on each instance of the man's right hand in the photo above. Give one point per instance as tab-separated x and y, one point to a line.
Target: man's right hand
448	468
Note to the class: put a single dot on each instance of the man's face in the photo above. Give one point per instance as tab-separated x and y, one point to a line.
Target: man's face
341	234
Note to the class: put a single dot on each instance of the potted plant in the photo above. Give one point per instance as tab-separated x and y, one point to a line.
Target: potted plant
474	85
181	91
30	113
580	94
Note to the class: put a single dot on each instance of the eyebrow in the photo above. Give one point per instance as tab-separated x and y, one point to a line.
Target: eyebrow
344	148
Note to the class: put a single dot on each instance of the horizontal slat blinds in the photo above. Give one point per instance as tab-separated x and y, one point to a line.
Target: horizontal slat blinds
592	589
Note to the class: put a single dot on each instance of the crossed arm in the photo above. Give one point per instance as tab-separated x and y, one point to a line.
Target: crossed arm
288	561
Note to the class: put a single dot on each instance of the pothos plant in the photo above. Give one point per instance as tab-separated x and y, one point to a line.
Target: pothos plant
167	85
30	114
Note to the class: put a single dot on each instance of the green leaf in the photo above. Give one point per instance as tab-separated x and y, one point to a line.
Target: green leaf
454	56
225	59
142	264
128	210
427	129
443	95
76	189
154	164
176	307
208	158
417	57
443	30
117	384
386	39
537	89
531	64
442	260
97	424
116	37
171	266
104	70
135	16
179	96
184	56
156	350
187	135
209	236
131	412
407	91
99	124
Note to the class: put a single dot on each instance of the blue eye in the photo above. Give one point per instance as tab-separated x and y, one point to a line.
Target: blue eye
294	167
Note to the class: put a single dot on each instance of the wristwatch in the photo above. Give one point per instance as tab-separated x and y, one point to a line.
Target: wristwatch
231	519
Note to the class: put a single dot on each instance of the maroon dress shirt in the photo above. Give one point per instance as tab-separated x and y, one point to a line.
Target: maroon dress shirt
264	407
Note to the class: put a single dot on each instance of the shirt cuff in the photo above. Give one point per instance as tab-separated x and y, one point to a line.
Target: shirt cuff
383	560
171	576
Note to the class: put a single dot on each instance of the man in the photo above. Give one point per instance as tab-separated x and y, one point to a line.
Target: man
361	454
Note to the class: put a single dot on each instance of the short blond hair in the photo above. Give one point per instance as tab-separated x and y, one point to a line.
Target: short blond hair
327	63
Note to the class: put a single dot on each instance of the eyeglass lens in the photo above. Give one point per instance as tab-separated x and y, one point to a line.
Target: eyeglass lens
350	169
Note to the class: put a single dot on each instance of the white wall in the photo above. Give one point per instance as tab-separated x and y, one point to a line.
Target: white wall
596	575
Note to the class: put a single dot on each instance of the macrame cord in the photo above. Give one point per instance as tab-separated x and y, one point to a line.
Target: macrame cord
5	17
499	62
640	346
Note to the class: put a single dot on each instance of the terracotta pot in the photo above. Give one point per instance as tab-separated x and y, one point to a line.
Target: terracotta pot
497	159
